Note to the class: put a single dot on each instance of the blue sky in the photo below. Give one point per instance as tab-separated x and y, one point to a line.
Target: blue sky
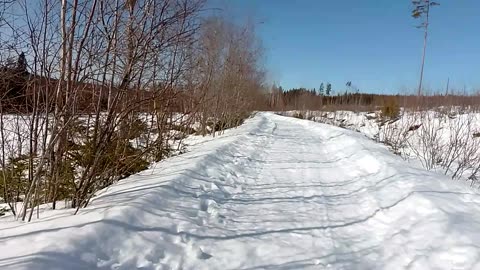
373	43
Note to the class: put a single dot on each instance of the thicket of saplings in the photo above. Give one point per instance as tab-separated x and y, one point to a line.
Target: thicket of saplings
86	100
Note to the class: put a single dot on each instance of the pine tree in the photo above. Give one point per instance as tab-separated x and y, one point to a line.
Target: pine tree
329	89
21	63
321	90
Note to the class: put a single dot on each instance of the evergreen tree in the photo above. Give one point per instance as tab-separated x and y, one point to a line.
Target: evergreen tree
321	90
21	63
328	91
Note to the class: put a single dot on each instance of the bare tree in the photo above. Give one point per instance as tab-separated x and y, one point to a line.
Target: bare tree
422	10
112	86
231	80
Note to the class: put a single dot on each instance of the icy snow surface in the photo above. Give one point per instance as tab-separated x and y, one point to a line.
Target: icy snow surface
276	193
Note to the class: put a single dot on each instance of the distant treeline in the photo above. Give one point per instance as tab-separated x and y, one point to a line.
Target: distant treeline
306	99
21	92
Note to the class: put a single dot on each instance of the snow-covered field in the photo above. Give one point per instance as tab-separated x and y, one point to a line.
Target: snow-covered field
442	140
275	193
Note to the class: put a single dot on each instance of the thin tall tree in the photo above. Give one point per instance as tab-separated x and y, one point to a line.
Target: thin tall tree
422	10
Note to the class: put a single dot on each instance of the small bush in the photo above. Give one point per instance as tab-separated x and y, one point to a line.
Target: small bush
390	109
299	115
15	176
228	121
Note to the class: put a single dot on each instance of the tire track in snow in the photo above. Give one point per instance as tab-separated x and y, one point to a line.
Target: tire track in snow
346	238
274	223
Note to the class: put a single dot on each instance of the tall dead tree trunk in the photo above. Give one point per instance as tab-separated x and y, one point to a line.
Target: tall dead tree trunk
422	10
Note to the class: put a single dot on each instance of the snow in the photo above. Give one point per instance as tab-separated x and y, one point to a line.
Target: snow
444	141
275	193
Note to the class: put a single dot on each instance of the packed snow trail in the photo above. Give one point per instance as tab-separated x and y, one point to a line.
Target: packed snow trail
275	193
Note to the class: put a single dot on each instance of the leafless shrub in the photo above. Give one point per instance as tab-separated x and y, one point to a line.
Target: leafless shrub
396	132
447	143
427	144
110	87
463	152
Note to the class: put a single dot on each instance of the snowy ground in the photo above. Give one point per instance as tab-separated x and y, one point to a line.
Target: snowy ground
275	193
446	140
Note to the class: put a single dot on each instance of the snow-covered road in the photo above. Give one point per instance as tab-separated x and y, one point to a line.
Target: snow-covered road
276	193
